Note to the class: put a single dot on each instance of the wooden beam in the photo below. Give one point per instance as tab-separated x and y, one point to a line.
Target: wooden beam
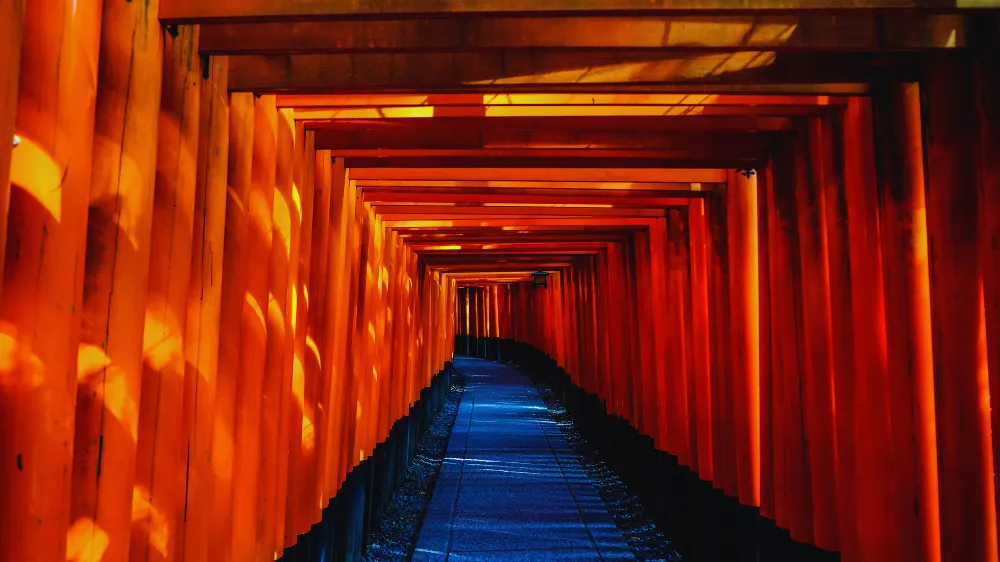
541	71
493	100
448	127
694	114
191	11
540	187
590	175
427	138
547	162
858	31
459	198
417	212
358	156
510	247
577	222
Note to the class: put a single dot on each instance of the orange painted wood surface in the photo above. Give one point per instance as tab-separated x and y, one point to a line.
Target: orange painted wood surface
11	29
214	306
43	276
817	350
868	387
989	217
234	284
299	424
741	217
909	354
116	272
161	471
286	241
253	342
958	323
202	332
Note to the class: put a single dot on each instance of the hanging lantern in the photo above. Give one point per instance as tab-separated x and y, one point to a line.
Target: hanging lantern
540	279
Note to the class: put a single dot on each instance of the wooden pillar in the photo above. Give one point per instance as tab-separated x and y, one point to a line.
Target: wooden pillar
253	343
961	381
116	271
914	523
632	336
376	330
11	29
647	322
863	397
277	383
162	455
337	308
297	499
350	369
988	87
825	142
201	336
725	453
793	475
234	263
767	406
741	225
362	366
698	237
315	294
680	357
816	344
43	275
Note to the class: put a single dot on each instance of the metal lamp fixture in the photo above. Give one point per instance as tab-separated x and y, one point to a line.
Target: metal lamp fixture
540	279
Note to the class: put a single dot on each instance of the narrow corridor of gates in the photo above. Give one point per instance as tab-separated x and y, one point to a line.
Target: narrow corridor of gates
755	242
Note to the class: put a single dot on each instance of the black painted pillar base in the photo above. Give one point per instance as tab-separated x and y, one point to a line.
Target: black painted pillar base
350	517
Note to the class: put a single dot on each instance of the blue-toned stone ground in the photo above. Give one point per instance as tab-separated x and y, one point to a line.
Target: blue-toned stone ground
511	486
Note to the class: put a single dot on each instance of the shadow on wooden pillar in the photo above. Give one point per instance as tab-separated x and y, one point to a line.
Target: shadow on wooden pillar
912	526
793	477
816	343
201	335
964	452
116	271
164	421
40	311
988	104
11	29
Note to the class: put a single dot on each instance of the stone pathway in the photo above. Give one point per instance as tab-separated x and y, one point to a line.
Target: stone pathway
511	487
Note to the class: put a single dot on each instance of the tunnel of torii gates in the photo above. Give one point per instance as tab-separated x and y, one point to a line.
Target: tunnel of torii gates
242	235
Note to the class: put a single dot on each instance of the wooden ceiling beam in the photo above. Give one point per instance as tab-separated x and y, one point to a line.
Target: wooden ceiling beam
360	157
706	115
457	198
403	213
719	161
495	100
475	127
541	71
509	238
855	31
201	11
431	138
509	247
593	175
518	224
706	180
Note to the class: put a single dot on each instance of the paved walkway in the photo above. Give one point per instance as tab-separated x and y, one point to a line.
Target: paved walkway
510	487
